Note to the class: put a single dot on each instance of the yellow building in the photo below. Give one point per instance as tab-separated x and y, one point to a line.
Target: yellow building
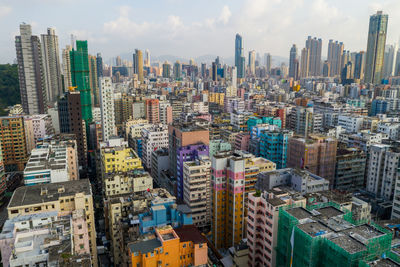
126	182
119	159
64	197
217	98
184	246
233	177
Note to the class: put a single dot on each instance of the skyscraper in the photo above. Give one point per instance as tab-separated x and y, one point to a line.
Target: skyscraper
166	70
335	52
177	70
314	46
138	64
252	62
267	62
292	61
66	65
376	47
389	60
99	62
239	56
51	64
30	71
359	65
304	64
147	60
80	78
107	107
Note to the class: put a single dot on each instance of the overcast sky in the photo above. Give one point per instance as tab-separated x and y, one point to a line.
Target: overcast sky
190	28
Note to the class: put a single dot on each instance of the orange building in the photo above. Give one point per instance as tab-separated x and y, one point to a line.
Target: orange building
153	110
184	246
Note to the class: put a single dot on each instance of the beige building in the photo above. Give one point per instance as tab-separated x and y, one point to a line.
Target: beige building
126	182
64	197
197	190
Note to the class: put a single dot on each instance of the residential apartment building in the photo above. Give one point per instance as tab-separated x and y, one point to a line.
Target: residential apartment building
107	108
273	146
263	221
153	110
153	138
316	154
350	169
197	190
13	143
64	197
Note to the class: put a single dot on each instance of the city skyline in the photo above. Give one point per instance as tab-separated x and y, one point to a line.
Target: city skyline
181	27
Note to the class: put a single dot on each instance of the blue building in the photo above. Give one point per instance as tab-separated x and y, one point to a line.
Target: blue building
273	146
164	211
379	106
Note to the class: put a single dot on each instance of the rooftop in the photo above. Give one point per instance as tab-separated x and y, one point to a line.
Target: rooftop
30	195
145	246
190	233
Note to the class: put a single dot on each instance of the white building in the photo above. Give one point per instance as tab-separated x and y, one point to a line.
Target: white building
42	125
107	107
153	138
197	190
50	164
383	164
391	129
351	123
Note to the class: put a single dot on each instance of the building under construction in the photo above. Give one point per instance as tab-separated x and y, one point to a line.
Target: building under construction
326	235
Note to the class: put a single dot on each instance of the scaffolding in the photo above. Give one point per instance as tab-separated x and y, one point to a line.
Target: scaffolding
319	243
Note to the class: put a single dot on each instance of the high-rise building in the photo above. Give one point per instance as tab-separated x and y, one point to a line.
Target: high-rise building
153	138
267	62
239	56
314	47
273	146
292	62
234	176
30	71
252	62
66	67
316	154
107	108
52	66
118	61
138	64
186	143
153	110
64	197
359	65
381	176
335	52
350	169
99	62
80	78
177	70
147	58
389	61
376	48
305	62
94	81
13	143
166	70
70	117
165	112
3	178
197	190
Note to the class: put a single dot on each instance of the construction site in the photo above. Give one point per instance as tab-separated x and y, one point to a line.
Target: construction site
327	235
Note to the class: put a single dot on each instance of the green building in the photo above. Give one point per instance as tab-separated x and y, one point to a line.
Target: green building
80	78
326	235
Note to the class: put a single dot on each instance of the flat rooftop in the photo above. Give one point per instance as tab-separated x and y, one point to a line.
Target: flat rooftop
314	228
383	263
300	213
145	246
349	244
330	212
42	193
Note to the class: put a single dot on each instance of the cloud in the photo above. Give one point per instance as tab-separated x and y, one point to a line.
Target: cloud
4	11
225	15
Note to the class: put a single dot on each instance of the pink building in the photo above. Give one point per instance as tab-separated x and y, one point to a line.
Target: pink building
242	141
262	223
80	232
